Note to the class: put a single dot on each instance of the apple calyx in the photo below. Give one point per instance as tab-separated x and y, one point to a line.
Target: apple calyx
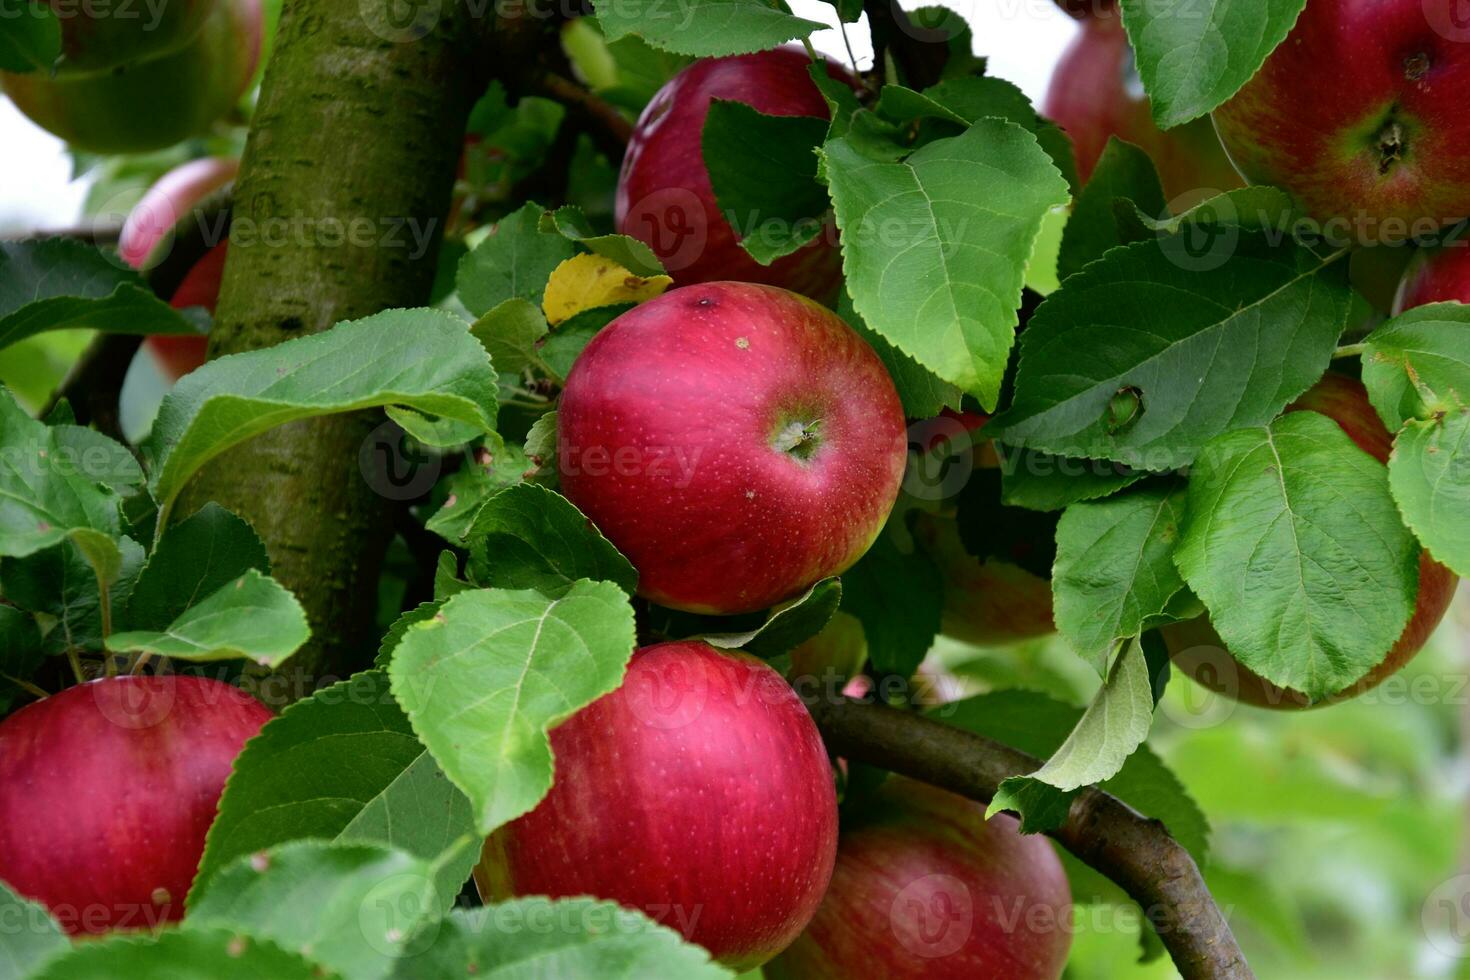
1392	145
797	439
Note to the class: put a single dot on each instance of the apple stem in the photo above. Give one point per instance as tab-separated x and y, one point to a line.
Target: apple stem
138	661
1349	350
76	665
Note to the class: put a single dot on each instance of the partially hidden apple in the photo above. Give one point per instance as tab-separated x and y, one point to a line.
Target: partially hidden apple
1436	275
737	442
1095	94
664	196
926	887
1198	650
99	37
106	792
698	792
1360	114
148	230
1083	9
154	102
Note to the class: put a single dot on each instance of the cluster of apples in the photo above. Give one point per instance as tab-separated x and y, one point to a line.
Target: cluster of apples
130	79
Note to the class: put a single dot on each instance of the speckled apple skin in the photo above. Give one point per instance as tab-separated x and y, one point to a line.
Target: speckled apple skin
666	440
1198	650
926	887
1309	119
107	790
664	196
1436	275
698	792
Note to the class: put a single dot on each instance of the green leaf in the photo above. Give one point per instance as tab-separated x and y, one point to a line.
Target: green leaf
626	251
1038	725
352	907
490	469
842	101
484	680
1115	567
1142	359
1194	55
509	333
20	655
59	284
1293	542
1113	726
424	360
194	559
763	170
705	28
421	613
60	583
188	954
788	627
1418	364
1041	481
1123	173
30	937
253	617
897	594
922	393
1429	474
563	345
97	457
573	937
513	262
935	248
47	494
342	765
528	537
30	40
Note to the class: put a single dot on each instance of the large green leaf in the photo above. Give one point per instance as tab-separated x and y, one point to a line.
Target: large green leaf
1041	481
528	537
1418	364
764	173
193	559
897	594
513	262
1115	567
422	360
60	584
923	394
484	680
351	907
1294	544
1429	474
935	248
342	765
30	42
20	653
1123	173
30	936
1142	358
625	250
58	283
705	28
252	617
189	954
1195	54
571	938
788	627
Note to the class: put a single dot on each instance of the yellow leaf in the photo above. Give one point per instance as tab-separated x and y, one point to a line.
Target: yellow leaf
586	281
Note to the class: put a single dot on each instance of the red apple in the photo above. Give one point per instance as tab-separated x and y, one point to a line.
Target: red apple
737	442
1095	94
99	37
150	104
698	792
990	602
1360	114
1436	275
664	195
107	790
147	231
926	887
1197	649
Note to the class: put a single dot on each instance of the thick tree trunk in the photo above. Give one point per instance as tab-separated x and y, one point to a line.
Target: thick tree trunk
338	214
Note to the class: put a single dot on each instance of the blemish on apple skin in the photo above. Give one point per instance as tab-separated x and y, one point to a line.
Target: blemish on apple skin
260	862
743	343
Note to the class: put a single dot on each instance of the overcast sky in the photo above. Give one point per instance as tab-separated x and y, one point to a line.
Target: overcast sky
1022	39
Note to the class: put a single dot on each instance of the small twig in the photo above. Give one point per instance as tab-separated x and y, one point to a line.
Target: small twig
1102	831
1349	350
138	661
76	665
26	686
603	121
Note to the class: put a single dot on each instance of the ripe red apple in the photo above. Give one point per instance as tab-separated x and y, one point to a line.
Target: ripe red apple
1095	93
107	790
155	102
926	887
737	442
664	195
1360	114
1197	649
101	37
147	231
1436	275
698	792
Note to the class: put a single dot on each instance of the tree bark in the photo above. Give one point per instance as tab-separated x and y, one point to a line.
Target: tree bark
338	214
1102	831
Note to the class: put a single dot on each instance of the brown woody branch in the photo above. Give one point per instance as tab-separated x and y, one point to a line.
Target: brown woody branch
1102	831
590	113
